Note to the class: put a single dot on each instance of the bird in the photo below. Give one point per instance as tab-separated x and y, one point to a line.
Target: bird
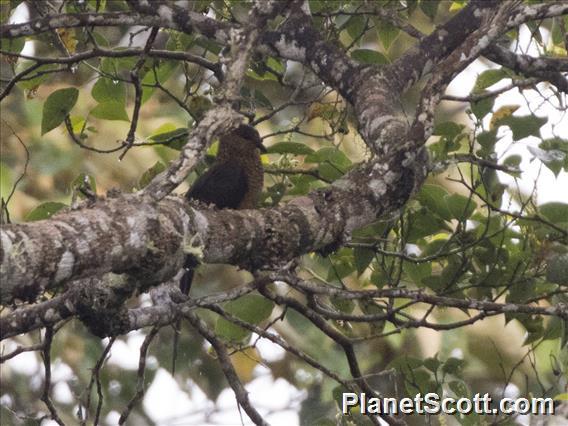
234	181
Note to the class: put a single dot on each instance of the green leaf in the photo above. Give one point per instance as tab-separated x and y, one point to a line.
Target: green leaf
417	271
44	211
430	8
6	181
363	257
56	108
448	129
175	139
13	45
159	74
554	159
460	207
368	56
332	155
555	329
524	126
152	172
482	107
105	90
433	197
557	269
487	139
251	308
453	366
290	148
110	111
342	304
513	161
355	26
179	41
423	223
387	33
489	78
555	212
432	364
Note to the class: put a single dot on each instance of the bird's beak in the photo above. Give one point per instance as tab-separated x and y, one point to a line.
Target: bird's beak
260	146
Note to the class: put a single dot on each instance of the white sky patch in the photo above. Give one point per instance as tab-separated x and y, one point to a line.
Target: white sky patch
62	393
126	355
25	363
267	395
269	351
166	403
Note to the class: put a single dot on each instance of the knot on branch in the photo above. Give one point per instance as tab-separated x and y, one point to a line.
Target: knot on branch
101	308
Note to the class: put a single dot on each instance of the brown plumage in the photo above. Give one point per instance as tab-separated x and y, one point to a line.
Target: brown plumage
234	181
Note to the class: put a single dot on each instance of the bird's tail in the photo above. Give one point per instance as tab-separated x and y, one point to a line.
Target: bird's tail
184	285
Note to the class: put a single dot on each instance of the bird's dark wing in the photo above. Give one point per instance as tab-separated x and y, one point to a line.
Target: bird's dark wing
224	185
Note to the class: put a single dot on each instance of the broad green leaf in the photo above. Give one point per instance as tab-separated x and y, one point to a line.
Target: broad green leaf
513	161
448	129
363	257
290	148
430	8
56	108
174	138
251	308
433	197
42	74
110	111
423	223
557	144
179	41
554	159
482	107
487	140
342	304
387	33
44	211
557	269
331	155
107	90
555	212
460	207
368	56
524	126
417	271
488	78
355	26
432	364
453	366
152	172
555	329
6	181
13	45
330	172
159	74
261	100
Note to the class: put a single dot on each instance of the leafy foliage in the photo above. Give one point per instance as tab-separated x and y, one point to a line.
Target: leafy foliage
470	235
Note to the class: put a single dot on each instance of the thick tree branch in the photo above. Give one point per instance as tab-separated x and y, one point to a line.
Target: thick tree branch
543	68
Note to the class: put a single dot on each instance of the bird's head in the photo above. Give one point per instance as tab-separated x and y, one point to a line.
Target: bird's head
244	139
